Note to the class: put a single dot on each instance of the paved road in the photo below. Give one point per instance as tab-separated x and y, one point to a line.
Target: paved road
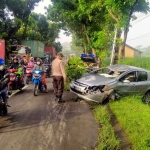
39	123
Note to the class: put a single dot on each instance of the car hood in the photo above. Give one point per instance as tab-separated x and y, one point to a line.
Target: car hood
91	79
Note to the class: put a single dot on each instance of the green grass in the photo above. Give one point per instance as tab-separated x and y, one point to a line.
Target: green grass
142	62
107	139
134	118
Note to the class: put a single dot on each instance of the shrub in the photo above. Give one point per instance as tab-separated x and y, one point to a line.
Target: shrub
75	69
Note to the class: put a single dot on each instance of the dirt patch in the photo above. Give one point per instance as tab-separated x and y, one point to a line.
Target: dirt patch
121	135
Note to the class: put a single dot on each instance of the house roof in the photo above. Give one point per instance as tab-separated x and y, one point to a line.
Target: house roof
133	48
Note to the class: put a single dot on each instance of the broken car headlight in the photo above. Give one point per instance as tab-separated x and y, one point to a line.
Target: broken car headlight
95	88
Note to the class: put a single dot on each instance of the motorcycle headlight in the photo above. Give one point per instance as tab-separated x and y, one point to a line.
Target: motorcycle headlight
2	67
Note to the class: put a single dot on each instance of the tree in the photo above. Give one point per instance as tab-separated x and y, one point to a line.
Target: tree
84	19
21	10
122	12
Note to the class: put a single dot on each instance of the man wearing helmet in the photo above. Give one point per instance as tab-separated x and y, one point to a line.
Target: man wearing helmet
3	84
15	63
40	66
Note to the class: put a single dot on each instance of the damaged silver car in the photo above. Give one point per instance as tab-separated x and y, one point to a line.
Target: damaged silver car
113	82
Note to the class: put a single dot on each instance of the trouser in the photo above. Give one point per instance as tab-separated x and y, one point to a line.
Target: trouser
4	95
58	85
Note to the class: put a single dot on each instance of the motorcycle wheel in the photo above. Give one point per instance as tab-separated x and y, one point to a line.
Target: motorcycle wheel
10	89
27	80
5	110
22	85
36	90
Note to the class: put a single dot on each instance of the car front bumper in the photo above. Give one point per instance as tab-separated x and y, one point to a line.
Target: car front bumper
96	97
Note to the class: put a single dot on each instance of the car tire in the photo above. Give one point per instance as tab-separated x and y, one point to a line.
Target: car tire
146	98
112	97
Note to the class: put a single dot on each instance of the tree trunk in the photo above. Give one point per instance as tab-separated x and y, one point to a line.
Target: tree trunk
88	40
123	45
84	45
127	29
117	47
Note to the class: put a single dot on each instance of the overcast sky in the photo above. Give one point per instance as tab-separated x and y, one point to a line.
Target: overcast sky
139	33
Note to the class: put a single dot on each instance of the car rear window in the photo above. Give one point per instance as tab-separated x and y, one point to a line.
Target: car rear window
142	76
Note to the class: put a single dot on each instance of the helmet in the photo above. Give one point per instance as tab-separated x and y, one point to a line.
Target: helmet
15	58
38	61
2	62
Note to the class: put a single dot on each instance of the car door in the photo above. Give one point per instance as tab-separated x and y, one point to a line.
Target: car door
142	84
126	84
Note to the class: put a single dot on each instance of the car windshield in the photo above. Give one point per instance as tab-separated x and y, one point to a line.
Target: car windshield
88	59
110	73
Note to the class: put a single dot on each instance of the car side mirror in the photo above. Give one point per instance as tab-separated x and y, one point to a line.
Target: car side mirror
126	81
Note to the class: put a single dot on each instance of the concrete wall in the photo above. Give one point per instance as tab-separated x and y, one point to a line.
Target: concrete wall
130	53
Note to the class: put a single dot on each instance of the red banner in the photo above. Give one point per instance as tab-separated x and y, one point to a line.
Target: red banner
2	49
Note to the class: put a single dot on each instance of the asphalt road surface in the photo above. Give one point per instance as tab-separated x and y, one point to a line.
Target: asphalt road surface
40	123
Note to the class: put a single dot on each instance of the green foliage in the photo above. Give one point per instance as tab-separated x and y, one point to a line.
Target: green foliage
107	139
105	62
142	62
75	68
134	117
26	25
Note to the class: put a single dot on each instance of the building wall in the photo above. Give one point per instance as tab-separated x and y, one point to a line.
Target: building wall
137	54
130	53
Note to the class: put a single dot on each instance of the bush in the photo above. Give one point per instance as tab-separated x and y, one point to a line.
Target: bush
75	69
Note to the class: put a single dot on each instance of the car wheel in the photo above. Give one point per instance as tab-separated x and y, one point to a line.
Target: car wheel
112	97
146	98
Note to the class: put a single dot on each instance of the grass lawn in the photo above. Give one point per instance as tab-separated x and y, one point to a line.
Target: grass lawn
107	139
134	118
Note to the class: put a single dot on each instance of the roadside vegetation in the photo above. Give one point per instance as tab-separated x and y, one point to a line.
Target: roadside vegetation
107	139
142	62
74	70
134	117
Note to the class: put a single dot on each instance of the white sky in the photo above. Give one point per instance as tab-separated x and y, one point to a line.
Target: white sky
139	28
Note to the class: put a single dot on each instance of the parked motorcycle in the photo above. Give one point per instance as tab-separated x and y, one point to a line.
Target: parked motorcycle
37	81
47	70
3	106
16	79
28	73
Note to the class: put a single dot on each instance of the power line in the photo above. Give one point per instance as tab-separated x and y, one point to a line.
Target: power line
141	19
139	37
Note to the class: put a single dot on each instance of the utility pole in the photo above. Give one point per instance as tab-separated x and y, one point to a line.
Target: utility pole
113	48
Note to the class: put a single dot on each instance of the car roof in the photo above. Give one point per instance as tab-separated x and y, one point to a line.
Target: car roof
125	68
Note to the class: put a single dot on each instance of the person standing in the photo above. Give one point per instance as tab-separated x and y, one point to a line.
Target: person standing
59	76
